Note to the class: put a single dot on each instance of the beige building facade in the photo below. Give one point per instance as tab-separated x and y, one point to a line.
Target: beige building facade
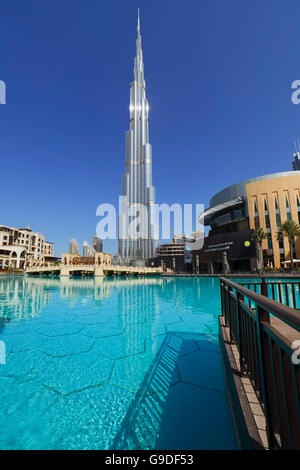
21	247
270	203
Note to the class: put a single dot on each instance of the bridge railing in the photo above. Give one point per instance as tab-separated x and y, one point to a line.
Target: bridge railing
89	267
286	292
49	267
267	357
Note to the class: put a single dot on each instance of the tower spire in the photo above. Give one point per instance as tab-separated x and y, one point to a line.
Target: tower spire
138	23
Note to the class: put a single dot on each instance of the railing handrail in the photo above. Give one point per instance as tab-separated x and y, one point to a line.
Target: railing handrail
258	283
283	312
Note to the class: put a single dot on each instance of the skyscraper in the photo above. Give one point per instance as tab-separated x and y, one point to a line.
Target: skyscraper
97	244
137	185
87	250
73	247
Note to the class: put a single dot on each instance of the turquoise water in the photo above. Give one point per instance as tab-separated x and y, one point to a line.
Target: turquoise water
112	364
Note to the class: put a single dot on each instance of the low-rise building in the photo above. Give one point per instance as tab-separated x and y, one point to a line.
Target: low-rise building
21	247
172	256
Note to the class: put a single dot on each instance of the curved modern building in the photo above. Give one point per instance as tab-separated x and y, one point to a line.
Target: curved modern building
265	201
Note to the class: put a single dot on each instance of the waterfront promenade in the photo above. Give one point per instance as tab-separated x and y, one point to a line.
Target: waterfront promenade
259	334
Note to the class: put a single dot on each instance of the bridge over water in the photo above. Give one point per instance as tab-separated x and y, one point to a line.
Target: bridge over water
100	265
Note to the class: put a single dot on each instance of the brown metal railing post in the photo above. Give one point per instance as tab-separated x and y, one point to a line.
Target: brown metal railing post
222	297
229	313
262	316
239	298
264	287
225	304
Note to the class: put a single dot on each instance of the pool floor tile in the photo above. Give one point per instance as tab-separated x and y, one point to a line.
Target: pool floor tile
67	345
113	364
119	346
181	427
67	375
203	368
129	372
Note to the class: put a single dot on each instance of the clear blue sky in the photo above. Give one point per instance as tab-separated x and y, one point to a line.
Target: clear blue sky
218	76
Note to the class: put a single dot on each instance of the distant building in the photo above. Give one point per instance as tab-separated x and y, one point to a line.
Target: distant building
21	247
73	247
171	249
172	256
97	244
296	162
116	260
88	251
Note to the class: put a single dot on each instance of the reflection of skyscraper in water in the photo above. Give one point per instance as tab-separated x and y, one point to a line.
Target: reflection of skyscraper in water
139	309
23	298
93	289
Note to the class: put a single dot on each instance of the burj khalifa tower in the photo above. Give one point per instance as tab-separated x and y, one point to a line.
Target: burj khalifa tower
137	188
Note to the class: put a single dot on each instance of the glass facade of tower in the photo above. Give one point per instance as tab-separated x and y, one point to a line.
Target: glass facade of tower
137	185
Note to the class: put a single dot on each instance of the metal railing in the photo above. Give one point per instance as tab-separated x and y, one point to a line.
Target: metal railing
285	292
266	357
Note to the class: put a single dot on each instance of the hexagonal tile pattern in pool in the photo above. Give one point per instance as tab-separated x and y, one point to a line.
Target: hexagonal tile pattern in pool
100	331
60	329
16	328
208	343
146	330
25	416
119	346
67	374
24	365
129	372
92	319
53	319
208	375
67	345
112	364
193	323
99	415
27	342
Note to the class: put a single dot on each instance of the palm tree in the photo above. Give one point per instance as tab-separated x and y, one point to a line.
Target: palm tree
289	229
258	236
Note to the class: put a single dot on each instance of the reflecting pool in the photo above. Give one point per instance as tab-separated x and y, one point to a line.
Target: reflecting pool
112	363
